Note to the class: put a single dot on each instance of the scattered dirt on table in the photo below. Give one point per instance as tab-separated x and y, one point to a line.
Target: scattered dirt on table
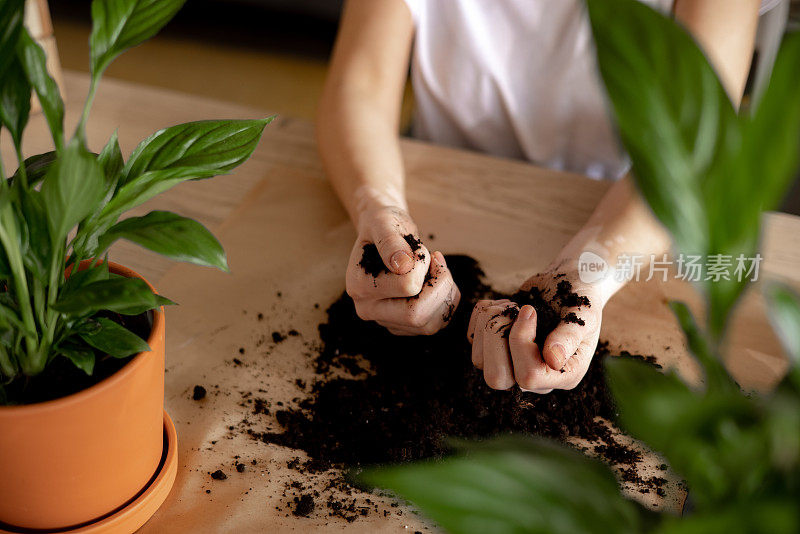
219	475
303	505
380	399
198	393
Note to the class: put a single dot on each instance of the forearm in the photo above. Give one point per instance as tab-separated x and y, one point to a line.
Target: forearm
359	113
621	225
360	149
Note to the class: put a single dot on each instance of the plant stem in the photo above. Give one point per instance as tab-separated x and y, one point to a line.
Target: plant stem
80	130
7	366
8	233
23	172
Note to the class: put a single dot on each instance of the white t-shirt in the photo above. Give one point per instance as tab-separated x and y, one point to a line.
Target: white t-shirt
514	78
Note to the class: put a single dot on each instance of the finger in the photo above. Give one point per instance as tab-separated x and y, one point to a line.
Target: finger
497	370
417	310
525	354
479	308
481	316
361	284
562	343
399	249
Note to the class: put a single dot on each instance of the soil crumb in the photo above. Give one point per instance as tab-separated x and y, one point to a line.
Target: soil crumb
303	505
198	393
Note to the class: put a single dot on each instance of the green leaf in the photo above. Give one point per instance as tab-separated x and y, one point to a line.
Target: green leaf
72	189
110	158
169	234
83	359
784	310
136	310
671	110
10	315
34	62
115	294
784	313
717	376
38	247
218	145
121	24
36	167
15	100
694	160
516	485
115	340
11	15
82	277
713	439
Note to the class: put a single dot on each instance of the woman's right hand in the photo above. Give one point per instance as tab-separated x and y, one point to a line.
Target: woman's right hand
410	291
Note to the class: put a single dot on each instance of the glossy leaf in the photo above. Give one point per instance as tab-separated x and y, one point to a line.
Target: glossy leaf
110	158
115	294
169	234
514	484
36	167
34	62
38	247
115	340
150	184
72	189
82	358
11	16
218	145
15	100
121	24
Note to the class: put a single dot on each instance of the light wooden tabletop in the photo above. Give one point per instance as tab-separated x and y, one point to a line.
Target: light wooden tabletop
285	231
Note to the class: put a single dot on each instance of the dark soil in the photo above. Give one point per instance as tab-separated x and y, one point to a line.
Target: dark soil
219	475
402	396
198	393
304	505
61	377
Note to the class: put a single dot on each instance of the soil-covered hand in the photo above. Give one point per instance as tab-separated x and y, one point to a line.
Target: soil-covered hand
393	278
551	349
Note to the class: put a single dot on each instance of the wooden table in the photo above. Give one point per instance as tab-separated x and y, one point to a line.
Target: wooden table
285	231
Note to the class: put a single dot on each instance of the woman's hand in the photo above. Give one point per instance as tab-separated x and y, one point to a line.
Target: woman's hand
400	285
508	347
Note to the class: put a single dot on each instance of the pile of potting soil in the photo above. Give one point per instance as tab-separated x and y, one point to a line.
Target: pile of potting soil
400	397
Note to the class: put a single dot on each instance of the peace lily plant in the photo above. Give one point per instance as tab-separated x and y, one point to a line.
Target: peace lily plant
65	206
708	174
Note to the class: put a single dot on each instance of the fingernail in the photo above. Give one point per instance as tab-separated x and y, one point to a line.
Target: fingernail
560	354
525	313
401	262
440	258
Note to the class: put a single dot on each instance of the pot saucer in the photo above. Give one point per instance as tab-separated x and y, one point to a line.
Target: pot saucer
133	515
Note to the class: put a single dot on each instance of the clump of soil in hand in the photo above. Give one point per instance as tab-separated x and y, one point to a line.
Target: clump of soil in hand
198	393
407	394
371	260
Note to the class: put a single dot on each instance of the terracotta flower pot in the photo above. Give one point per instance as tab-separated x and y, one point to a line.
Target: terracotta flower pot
79	458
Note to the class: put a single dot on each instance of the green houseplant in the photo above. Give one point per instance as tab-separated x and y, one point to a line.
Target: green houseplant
64	308
708	173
